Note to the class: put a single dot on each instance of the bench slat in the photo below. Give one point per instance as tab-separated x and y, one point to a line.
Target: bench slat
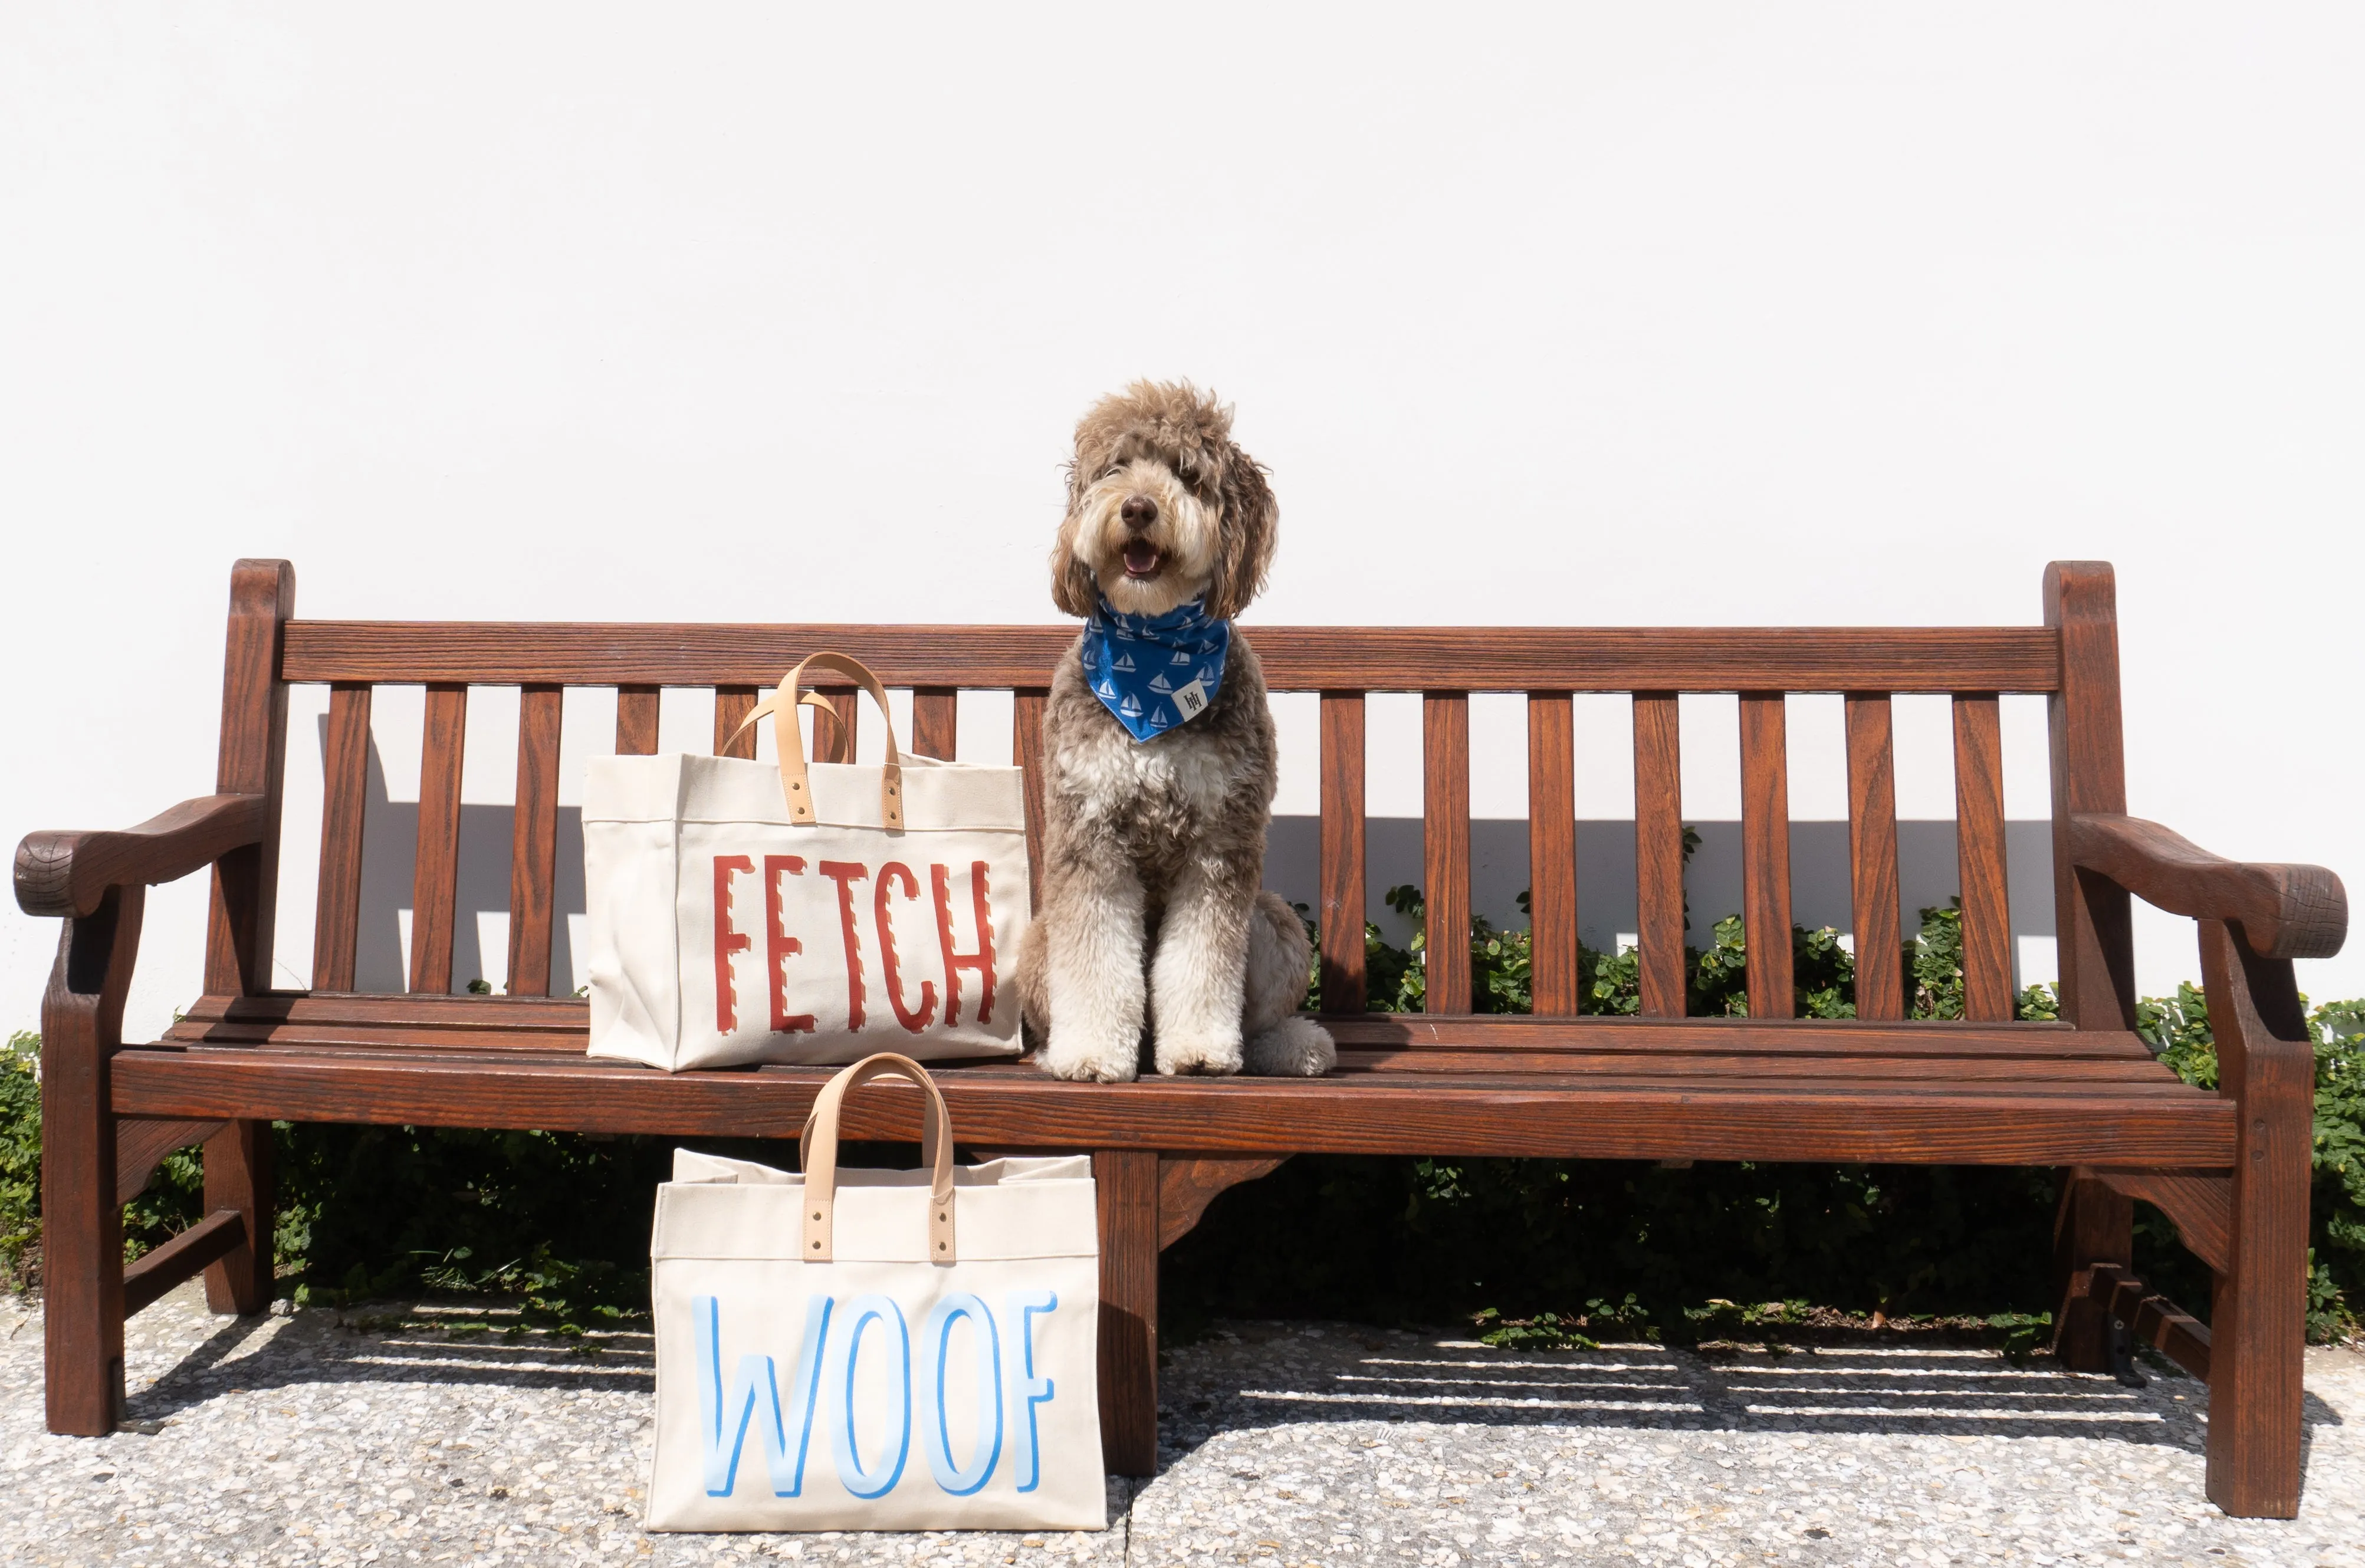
1445	848
1019	1108
1979	850
834	733
1872	857
1341	925
1026	705
1659	853
935	722
731	706
1552	852
491	1020
344	794
435	875
1939	659
1765	854
534	848
637	721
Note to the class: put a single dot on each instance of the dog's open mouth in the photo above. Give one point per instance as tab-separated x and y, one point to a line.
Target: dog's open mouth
1142	559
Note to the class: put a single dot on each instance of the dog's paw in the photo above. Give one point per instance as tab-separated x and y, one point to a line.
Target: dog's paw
1201	1058
1065	1056
1294	1047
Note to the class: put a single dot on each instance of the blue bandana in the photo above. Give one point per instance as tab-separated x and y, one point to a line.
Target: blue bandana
1155	672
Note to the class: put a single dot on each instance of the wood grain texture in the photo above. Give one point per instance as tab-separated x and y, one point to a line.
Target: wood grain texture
1980	860
1872	857
141	1144
935	722
1026	751
1295	658
1126	1184
2285	912
2266	1068
533	843
81	1225
1187	1184
1659	853
251	761
834	733
1765	854
221	1232
1445	848
2093	1227
1552	853
237	1168
67	873
435	874
1490	1114
2094	934
345	802
636	720
1341	924
2199	1204
731	706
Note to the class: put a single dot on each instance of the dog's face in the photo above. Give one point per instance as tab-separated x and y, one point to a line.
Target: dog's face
1162	508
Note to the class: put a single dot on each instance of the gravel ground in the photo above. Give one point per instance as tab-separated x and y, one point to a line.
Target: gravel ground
304	1439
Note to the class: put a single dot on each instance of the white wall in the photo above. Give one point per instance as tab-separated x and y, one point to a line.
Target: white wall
1611	314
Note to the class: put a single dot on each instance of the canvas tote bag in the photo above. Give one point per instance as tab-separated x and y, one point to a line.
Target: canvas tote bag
877	1350
749	911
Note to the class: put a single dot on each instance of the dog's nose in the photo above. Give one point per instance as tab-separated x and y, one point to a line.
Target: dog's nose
1139	511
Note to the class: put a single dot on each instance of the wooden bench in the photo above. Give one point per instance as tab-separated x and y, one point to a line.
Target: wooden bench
2230	1167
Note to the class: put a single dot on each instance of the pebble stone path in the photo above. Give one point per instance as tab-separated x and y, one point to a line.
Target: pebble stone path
304	1439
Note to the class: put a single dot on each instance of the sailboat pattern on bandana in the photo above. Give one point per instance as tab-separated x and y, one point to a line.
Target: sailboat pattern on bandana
1153	672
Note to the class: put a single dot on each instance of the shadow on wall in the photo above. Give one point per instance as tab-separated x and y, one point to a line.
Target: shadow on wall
1605	873
1498	855
389	850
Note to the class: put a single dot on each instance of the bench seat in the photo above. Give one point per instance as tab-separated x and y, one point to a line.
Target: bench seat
1592	1088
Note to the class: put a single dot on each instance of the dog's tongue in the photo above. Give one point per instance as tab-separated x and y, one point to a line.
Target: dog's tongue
1140	558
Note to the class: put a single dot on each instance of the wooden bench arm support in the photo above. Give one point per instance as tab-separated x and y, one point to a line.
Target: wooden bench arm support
2284	911
68	873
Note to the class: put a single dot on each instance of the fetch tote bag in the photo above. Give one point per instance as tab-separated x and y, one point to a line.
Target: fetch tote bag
750	912
877	1350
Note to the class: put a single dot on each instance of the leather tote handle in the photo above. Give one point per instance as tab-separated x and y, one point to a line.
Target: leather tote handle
789	740
817	1154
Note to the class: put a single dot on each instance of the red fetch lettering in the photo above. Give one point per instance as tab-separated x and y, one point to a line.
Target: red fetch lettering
780	946
846	873
727	942
982	960
912	1020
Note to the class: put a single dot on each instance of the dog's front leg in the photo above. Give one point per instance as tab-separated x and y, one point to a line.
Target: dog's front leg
1092	926
1202	964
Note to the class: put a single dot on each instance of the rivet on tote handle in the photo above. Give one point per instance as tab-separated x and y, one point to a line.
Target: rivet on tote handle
790	741
817	1153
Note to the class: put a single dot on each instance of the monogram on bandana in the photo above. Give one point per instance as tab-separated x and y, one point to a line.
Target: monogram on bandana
1154	672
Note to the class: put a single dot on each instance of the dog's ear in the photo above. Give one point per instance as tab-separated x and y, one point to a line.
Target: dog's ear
1246	535
1073	587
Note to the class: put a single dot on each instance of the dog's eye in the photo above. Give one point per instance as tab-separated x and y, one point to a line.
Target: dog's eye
1115	469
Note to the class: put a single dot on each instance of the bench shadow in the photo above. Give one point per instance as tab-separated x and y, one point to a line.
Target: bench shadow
1262	1376
316	1348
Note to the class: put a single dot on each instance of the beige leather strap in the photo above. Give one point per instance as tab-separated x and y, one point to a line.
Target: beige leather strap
789	740
817	1153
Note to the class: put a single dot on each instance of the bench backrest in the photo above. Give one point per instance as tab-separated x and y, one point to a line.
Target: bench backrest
2072	659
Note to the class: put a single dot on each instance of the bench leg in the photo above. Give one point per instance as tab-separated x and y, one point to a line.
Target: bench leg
2094	1225
1127	1180
237	1176
81	1224
2257	1328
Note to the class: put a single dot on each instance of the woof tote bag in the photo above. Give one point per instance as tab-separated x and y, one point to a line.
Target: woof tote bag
747	911
877	1350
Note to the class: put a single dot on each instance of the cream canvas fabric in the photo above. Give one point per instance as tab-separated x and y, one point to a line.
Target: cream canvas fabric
930	1364
794	912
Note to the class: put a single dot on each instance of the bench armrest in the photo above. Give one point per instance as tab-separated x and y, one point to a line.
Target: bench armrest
68	873
2285	912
